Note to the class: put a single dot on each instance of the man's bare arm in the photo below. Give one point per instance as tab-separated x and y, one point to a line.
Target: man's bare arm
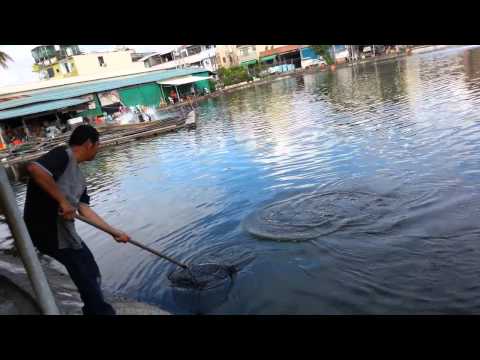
88	212
48	184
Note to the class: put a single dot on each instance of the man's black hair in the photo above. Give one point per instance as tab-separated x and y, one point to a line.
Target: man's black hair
83	133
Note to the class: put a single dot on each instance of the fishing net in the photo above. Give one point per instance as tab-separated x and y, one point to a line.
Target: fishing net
204	287
202	276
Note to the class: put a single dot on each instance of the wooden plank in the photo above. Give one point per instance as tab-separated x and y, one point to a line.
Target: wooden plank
115	139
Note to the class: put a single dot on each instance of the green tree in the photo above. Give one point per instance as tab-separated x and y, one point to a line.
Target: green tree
233	75
3	59
324	52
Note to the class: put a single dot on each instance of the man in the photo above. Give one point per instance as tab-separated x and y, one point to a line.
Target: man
56	190
173	95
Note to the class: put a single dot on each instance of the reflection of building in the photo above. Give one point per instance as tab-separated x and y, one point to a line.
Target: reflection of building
341	53
63	61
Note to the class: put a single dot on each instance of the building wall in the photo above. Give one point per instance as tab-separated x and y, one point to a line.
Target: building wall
253	53
227	56
89	63
206	57
262	48
58	70
247	53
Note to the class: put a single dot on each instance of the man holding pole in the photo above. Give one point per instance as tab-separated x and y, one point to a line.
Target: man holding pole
56	191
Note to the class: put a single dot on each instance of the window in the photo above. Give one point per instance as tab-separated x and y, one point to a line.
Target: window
50	72
195	49
224	60
66	68
101	61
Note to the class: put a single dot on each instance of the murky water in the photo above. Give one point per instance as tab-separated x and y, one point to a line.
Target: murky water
378	164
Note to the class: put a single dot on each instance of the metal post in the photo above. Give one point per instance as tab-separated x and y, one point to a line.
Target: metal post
4	143
25	127
44	295
178	95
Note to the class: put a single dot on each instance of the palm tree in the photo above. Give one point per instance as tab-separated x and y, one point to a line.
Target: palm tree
3	59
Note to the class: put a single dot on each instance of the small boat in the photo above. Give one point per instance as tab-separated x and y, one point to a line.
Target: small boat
190	121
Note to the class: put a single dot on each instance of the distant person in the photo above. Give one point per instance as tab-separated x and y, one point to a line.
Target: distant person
173	95
16	141
56	191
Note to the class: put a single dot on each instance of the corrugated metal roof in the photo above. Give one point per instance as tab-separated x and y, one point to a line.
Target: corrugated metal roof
74	90
41	107
184	80
281	50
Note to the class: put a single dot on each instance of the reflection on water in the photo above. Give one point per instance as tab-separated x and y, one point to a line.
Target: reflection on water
405	131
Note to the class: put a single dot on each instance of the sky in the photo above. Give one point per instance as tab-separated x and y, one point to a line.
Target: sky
19	70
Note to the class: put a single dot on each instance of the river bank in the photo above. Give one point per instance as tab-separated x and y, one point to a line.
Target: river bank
275	77
18	298
313	70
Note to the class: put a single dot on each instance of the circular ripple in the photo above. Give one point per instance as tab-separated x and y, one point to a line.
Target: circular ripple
308	216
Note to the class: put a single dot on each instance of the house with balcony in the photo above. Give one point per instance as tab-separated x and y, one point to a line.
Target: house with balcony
55	61
227	56
247	55
250	55
282	55
153	58
191	56
64	61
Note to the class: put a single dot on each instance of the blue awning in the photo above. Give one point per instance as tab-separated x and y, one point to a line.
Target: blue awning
40	107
